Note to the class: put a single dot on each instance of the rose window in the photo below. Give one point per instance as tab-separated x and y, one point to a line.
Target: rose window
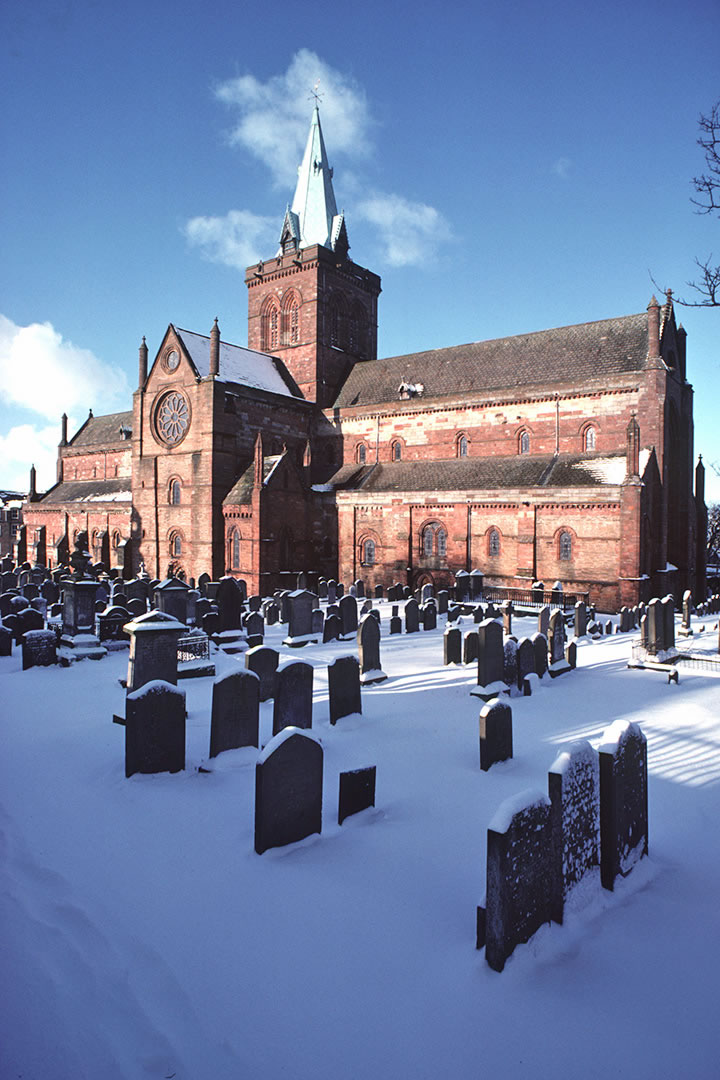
172	418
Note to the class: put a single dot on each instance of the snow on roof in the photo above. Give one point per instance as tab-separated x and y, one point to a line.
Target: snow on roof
238	365
606	470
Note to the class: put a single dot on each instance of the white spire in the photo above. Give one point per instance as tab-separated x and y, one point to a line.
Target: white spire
313	217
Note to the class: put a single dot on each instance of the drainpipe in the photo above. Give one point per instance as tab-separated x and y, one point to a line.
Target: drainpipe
557	423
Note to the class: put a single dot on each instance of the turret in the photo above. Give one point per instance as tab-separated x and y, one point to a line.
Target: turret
142	365
215	349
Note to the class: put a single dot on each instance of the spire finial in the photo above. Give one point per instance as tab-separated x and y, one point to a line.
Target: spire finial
316	95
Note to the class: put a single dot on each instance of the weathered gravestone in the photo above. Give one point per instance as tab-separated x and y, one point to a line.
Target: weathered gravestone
332	628
348	615
491	660
28	619
153	649
368	640
470	647
442	598
623	800
574	790
39	648
255	626
344	697
510	664
556	644
288	790
263	661
6	641
571	655
580	619
412	616
155	729
300	605
525	661
318	622
507	613
429	615
111	624
357	792
452	645
235	712
496	743
229	602
540	649
519	874
655	627
170	597
668	608
292	706
686	624
462	586
427	592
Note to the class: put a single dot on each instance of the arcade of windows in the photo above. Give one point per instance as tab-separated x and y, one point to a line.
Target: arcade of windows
433	540
280	322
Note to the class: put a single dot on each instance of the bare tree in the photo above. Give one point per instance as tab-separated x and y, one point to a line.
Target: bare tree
713	534
707	201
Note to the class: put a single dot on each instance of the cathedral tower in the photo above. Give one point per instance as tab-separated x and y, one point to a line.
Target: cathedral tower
311	305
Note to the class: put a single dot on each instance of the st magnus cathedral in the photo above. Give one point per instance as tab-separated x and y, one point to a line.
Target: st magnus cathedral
565	454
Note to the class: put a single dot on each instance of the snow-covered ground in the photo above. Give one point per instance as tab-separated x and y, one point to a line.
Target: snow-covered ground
144	938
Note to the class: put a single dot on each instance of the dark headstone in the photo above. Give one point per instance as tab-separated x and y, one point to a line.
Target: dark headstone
348	615
368	640
574	790
332	628
510	664
470	647
155	729
668	607
229	602
491	657
429	616
292	706
580	619
6	641
235	712
442	601
395	624
288	790
378	592
623	800
39	648
507	613
496	743
318	622
344	688
153	649
412	616
263	661
254	625
357	792
520	870
525	660
210	623
452	645
540	651
556	638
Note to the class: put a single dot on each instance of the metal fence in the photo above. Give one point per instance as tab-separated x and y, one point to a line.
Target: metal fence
193	647
533	598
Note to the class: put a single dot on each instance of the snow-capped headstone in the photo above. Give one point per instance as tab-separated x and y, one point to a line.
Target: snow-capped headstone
623	800
368	641
525	660
470	647
574	790
442	598
452	645
235	711
507	613
39	648
300	605
412	616
288	790
496	742
263	661
153	649
332	628
510	665
429	615
357	792
292	706
344	696
519	874
668	607
230	605
491	660
580	619
348	615
655	626
155	729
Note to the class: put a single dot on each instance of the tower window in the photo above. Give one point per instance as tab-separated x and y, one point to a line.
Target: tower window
235	550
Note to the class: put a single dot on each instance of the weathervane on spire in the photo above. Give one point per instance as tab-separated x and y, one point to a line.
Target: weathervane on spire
314	93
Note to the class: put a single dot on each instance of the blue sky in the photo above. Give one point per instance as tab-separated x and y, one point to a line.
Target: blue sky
504	170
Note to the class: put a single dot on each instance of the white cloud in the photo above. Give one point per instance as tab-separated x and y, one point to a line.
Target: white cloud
274	115
24	446
49	376
237	240
410	232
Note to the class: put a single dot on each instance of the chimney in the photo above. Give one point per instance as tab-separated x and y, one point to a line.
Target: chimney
215	349
63	437
653	328
633	447
142	364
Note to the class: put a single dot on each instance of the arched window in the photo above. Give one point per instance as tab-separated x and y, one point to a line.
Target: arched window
368	553
234	546
337	322
269	326
433	540
565	545
589	438
396	450
290	319
524	442
441	537
175	545
428	540
116	540
462	446
493	543
361	453
175	492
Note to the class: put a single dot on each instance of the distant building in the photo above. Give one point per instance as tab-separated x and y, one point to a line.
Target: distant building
564	454
11	518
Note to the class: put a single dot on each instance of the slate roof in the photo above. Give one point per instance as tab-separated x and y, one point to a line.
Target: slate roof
103	430
482	474
116	490
246	367
578	354
241	492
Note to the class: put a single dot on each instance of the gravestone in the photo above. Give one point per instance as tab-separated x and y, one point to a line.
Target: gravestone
6	641
378	592
412	616
263	661
39	649
496	741
288	790
429	616
655	626
491	612
623	800
360	589
254	602
292	706
255	625
668	608
491	660
300	605
556	644
525	660
332	628
395	624
322	589
571	655
357	792
540	651
235	712
28	619
348	615
271	612
580	619
507	613
344	697
478	613
210	623
170	597
510	665
111	624
155	729
229	604
332	591
470	647
574	791
519	874
685	626
427	592
368	641
462	586
452	645
443	598
476	583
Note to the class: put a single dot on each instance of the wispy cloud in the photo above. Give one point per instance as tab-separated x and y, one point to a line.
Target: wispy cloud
562	167
272	116
410	232
27	445
47	375
237	240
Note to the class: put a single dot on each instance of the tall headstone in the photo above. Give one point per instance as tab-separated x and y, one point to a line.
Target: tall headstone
300	619
368	640
229	602
580	619
263	661
344	696
348	615
623	800
496	742
412	616
491	660
288	790
525	660
470	647
668	608
155	729
235	712
574	791
292	706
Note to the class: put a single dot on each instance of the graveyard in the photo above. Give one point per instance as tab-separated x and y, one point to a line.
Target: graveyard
171	923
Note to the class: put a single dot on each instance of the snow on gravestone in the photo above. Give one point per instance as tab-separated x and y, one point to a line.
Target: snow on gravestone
292	706
574	790
412	617
344	697
490	659
519	874
155	729
368	640
263	661
495	733
357	792
348	615
525	660
39	648
510	663
623	800
235	711
288	790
